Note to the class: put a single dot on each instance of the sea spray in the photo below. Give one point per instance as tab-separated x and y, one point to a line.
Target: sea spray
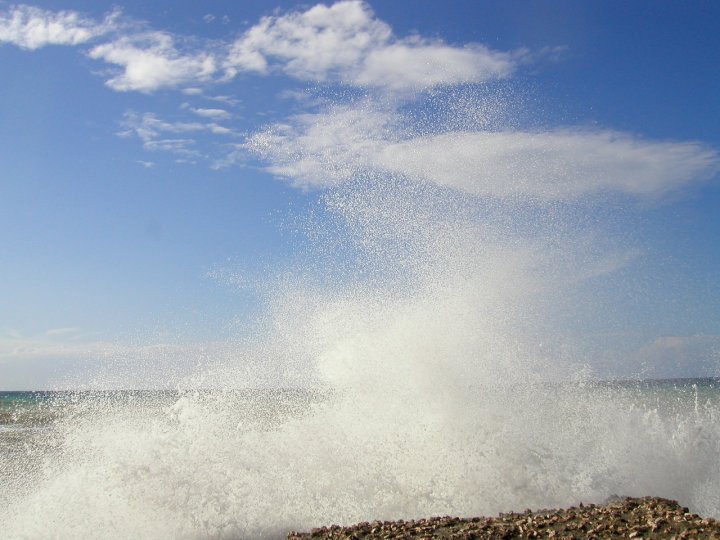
405	366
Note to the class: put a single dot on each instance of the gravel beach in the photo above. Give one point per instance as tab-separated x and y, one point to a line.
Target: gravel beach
647	517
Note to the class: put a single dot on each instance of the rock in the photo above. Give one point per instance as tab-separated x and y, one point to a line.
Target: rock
618	518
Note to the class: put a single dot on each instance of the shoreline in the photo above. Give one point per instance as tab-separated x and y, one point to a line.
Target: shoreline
627	517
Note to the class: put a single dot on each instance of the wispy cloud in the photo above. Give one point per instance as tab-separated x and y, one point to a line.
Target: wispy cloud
31	27
562	164
63	332
227	100
216	114
153	132
184	147
330	147
51	362
55	342
149	125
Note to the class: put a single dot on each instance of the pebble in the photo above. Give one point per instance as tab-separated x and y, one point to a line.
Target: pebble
647	517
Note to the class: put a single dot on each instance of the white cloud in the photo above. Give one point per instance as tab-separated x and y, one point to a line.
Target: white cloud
215	114
49	362
63	332
324	149
176	146
61	342
234	155
31	27
345	42
418	64
553	165
160	135
318	150
227	100
150	61
41	362
313	43
148	126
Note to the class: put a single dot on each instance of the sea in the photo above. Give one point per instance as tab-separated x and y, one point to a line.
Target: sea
257	463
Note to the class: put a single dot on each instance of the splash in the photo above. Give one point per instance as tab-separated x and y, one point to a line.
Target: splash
414	329
416	358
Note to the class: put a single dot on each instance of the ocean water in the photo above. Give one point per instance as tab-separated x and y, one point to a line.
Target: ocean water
257	464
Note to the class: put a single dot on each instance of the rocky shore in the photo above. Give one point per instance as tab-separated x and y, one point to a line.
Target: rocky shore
648	517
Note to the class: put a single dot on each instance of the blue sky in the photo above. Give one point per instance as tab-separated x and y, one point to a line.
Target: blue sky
146	147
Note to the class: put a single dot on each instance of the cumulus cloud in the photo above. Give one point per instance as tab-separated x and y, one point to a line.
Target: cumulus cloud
419	64
327	148
150	61
31	27
311	44
345	42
